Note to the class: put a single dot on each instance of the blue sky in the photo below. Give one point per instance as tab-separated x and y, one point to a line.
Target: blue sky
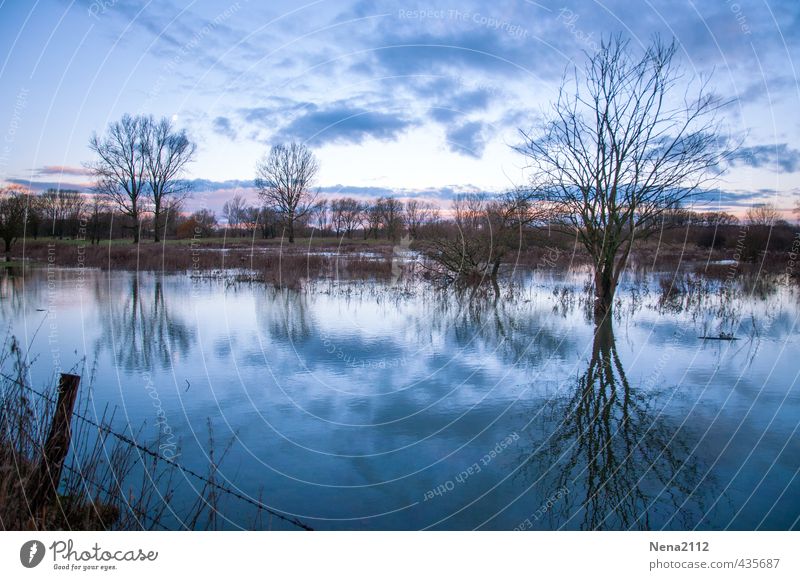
417	99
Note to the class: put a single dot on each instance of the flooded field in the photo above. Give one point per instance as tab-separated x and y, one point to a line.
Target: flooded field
393	405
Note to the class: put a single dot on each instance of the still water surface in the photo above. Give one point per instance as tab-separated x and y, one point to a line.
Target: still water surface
368	405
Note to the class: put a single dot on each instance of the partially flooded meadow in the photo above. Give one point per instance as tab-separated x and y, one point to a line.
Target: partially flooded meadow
380	401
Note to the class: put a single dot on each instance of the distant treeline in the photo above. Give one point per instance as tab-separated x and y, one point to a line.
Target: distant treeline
69	214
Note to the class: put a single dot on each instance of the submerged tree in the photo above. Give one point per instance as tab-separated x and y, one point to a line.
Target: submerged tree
621	148
284	180
487	230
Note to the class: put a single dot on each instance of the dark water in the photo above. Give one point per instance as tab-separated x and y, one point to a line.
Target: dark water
381	406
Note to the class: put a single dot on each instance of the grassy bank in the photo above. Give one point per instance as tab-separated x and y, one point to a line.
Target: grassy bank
267	260
276	261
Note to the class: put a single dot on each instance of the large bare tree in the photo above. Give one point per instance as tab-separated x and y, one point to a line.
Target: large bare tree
166	153
627	141
120	170
284	179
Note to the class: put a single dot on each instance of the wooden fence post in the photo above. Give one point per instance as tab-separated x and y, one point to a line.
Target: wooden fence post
47	475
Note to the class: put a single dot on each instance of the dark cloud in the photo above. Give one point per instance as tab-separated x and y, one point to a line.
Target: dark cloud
470	49
340	123
468	139
718	199
224	126
211	185
767	89
444	115
779	156
458	104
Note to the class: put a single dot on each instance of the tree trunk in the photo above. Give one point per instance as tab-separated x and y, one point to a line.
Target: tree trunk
495	270
135	230
604	289
493	277
156	216
603	341
606	279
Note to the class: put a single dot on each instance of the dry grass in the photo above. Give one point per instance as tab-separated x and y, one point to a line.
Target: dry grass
106	483
272	263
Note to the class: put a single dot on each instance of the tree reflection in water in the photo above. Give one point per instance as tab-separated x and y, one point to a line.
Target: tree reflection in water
612	459
140	328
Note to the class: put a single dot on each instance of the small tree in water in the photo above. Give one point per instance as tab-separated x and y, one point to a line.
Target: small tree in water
623	146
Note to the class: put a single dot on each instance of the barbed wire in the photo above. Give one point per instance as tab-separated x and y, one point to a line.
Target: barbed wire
128	441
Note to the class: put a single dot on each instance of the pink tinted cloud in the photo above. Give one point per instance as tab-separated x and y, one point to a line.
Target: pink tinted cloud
61	170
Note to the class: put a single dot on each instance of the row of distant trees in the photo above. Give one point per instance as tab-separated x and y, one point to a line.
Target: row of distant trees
70	214
384	217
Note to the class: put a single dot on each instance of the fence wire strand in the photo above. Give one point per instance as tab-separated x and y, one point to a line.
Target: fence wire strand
128	441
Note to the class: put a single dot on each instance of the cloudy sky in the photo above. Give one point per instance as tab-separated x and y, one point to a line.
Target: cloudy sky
417	99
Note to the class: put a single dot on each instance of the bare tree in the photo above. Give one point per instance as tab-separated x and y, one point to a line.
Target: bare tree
486	230
419	213
234	211
268	221
760	237
120	169
715	219
320	215
390	213
14	203
173	212
60	207
347	214
98	209
372	218
763	214
204	221
620	149
284	179
250	219
166	153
